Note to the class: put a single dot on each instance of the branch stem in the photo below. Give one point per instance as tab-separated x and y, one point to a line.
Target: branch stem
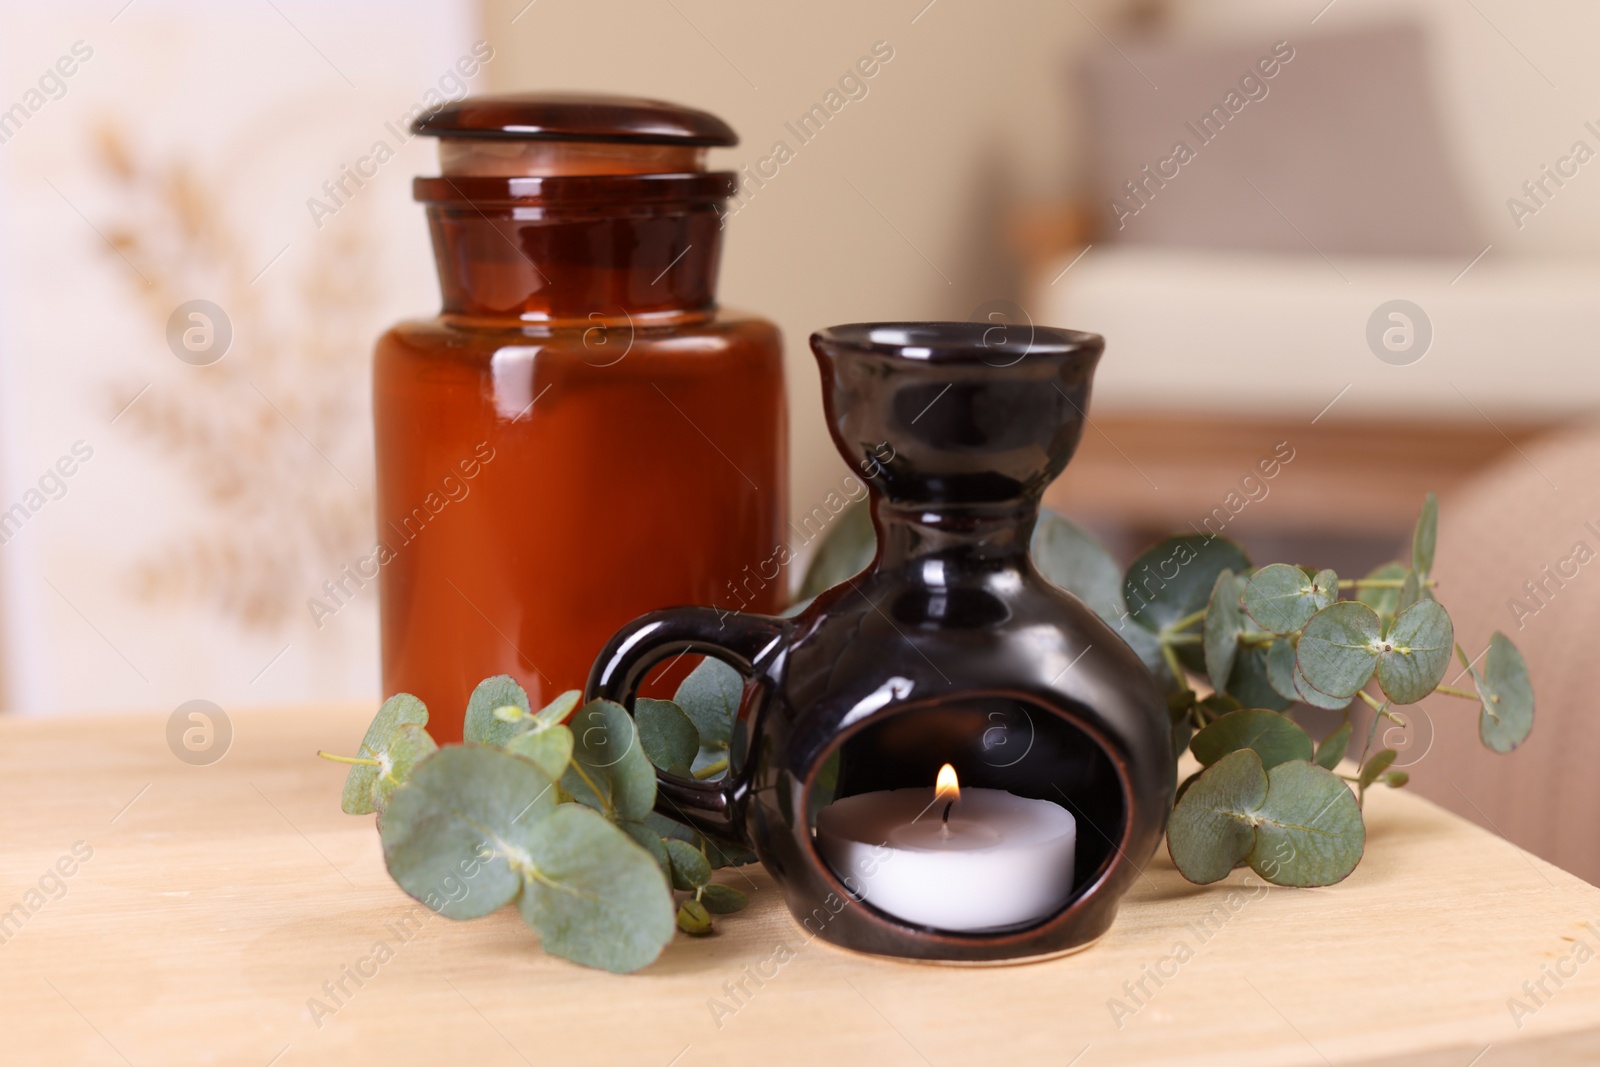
1187	621
359	761
711	769
1452	691
1381	583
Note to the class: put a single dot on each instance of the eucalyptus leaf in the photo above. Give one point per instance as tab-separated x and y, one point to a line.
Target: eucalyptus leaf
1183	786
694	919
1333	747
1415	652
1217	705
670	740
1281	598
1148	648
1182	726
1396	779
726	853
1375	765
1308	830
1272	736
690	868
483	725
1410	592
367	788
1070	557
1382	599
1223	626
1250	684
594	896
1506	717
1281	668
555	713
1174	578
845	552
1424	536
550	748
710	697
722	899
457	835
670	828
1315	697
410	745
1211	829
646	838
609	770
1338	648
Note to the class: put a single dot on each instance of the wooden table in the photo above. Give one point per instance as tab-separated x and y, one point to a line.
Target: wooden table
219	899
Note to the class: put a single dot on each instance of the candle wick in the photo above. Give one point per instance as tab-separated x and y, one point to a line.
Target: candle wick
947	807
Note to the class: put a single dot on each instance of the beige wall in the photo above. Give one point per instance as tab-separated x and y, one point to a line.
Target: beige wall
971	109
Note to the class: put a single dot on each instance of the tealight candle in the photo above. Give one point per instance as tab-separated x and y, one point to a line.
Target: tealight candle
952	859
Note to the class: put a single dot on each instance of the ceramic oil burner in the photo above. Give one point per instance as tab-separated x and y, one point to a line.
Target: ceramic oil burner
946	757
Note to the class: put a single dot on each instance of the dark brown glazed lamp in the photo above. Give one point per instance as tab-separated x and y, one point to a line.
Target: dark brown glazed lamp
950	648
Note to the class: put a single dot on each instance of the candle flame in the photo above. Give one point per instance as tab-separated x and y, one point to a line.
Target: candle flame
946	787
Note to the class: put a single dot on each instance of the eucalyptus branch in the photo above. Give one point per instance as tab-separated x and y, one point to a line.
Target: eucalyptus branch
1382	583
1452	691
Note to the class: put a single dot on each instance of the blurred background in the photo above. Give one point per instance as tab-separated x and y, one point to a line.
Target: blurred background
1360	239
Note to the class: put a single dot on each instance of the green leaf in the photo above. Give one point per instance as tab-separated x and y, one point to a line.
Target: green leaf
1273	737
1315	697
646	838
594	896
1338	648
1211	828
670	828
723	899
710	697
1376	765
1174	578
1281	668
483	726
1223	625
1217	705
1423	537
726	853
1250	683
1183	786
1148	647
1281	598
1411	592
1385	601
1396	779
411	745
1308	830
366	788
1414	653
609	770
845	552
694	919
1070	557
1334	746
456	836
555	713
670	740
690	868
550	748
1506	718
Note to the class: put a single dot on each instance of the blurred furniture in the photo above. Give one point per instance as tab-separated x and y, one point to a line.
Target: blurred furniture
220	901
1240	296
1533	518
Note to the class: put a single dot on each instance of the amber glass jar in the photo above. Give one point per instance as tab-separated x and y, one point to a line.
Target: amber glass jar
581	435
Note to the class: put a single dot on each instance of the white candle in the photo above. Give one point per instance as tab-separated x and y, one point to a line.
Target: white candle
1000	860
